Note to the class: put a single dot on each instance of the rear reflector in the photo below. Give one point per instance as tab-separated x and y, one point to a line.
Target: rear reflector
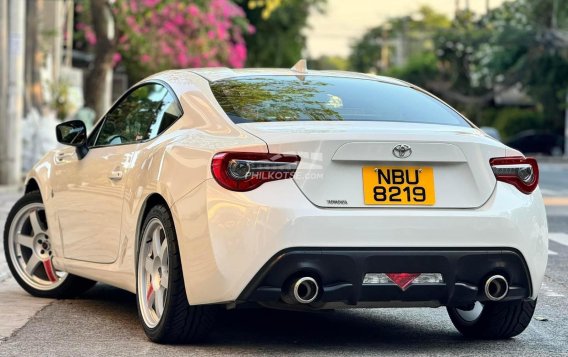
403	280
518	171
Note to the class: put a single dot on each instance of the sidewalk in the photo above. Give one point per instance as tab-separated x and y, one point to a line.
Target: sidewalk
16	307
8	195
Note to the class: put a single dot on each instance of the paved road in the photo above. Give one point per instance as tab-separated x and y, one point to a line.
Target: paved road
104	320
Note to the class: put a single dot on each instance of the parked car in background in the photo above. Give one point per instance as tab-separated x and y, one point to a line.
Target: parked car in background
538	142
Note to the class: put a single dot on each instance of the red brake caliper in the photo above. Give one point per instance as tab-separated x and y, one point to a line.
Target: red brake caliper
49	270
150	291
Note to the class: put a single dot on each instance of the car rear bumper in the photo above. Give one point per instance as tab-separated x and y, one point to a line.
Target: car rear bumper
226	238
340	276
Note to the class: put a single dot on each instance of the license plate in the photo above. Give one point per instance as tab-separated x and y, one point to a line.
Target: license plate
398	185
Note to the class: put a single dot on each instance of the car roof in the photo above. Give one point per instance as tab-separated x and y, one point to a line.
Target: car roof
213	74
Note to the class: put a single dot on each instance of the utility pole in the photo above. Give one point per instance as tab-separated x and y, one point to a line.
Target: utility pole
10	120
554	24
3	79
69	40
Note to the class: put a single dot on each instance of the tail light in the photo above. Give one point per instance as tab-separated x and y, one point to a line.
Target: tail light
245	171
518	171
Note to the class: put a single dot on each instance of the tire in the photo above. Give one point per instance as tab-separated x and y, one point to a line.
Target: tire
28	252
497	320
159	279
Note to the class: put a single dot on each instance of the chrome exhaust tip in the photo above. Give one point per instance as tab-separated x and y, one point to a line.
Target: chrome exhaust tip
303	290
496	288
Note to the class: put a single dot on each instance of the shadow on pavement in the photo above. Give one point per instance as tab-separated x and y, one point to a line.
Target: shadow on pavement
265	330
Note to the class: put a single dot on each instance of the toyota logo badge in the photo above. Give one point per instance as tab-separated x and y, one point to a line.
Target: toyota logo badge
402	151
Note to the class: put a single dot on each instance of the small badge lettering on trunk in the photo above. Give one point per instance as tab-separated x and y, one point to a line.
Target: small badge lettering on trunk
337	202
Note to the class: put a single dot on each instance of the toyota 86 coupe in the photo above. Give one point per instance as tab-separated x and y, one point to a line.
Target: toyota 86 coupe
203	190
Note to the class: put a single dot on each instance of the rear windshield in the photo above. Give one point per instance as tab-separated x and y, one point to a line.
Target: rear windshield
309	98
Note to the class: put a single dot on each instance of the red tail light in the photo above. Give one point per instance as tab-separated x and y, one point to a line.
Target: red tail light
518	171
245	171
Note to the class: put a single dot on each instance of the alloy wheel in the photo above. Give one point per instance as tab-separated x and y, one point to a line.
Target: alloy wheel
29	244
471	315
153	272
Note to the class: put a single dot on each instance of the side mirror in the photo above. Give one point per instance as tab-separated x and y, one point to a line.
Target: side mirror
72	133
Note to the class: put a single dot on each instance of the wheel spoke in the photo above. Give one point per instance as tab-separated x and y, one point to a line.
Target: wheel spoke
164	279
164	250
25	240
34	221
156	243
159	302
49	271
32	264
148	265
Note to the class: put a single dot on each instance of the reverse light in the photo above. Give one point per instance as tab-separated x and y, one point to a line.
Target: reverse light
521	172
402	280
245	171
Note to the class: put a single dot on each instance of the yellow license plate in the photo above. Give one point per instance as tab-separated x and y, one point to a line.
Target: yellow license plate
398	185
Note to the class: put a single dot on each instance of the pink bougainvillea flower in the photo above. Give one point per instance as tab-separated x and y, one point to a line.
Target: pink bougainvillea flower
163	34
116	58
183	59
134	5
150	3
238	55
167	50
90	36
193	10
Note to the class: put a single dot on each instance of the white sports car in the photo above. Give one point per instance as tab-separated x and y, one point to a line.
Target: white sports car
209	189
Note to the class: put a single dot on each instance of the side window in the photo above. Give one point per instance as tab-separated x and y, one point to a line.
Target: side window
143	114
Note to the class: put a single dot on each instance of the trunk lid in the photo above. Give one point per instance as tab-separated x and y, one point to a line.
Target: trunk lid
338	156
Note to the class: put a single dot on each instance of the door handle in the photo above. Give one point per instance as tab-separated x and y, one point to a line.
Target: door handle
115	175
61	156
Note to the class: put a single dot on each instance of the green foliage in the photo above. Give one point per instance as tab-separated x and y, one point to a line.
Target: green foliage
525	48
365	53
61	102
520	42
417	30
329	63
425	21
418	70
278	40
510	121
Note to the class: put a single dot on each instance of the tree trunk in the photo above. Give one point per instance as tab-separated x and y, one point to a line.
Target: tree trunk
96	82
33	95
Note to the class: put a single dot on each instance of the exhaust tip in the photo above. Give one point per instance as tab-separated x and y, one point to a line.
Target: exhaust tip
496	288
305	290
